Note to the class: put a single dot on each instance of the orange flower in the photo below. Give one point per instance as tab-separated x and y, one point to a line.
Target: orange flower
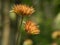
55	34
31	28
23	9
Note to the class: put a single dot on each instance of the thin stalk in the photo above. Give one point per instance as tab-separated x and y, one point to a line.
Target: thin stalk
20	20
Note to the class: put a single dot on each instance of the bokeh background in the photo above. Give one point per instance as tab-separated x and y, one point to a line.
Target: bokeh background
47	16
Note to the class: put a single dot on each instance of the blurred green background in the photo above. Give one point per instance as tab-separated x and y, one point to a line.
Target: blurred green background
47	16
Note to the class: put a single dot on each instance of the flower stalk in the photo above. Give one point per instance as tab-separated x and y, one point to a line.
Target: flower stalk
20	20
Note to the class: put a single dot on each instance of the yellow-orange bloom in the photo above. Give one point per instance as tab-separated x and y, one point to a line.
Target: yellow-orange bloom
23	9
31	28
55	34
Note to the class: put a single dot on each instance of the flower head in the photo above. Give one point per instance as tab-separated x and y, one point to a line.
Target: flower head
31	28
28	42
55	34
23	9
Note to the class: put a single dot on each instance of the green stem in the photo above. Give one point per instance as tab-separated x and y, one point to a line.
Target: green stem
19	30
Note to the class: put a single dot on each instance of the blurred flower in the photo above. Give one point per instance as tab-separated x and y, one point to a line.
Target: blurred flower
23	9
55	34
28	42
56	23
54	43
12	16
31	28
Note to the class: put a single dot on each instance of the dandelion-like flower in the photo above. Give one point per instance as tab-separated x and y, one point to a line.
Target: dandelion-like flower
31	28
55	34
23	9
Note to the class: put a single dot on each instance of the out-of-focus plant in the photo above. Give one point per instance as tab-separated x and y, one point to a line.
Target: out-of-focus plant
57	22
12	16
56	34
28	42
54	43
22	10
56	37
